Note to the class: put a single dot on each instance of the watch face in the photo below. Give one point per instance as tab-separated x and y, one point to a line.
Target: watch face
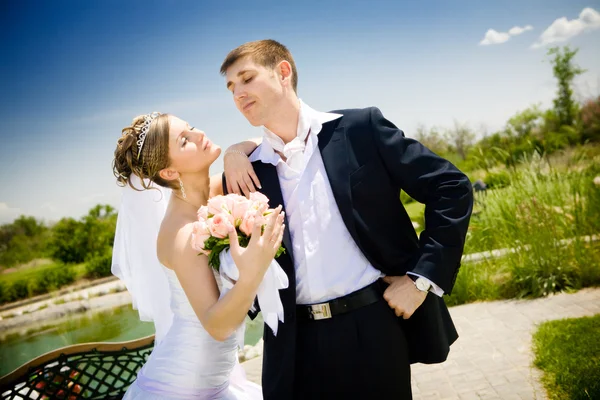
422	285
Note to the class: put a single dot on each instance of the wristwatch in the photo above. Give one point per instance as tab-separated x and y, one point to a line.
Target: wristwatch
421	283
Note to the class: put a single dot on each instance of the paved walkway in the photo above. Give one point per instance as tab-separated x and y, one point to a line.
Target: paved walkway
492	358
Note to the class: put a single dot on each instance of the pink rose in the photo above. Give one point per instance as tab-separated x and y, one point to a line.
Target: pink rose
200	233
240	206
219	204
219	224
248	221
257	197
203	213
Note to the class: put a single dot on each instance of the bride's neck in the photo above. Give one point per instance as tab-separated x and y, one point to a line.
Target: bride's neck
196	189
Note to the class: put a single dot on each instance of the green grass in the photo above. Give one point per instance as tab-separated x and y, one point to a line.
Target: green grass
30	281
498	279
568	352
540	204
483	281
28	273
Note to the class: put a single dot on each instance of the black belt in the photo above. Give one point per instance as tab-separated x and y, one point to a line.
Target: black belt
362	297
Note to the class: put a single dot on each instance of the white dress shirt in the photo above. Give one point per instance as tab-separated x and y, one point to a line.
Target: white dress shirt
327	261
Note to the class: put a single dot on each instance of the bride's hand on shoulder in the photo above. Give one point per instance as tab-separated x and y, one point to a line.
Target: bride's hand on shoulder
253	261
239	173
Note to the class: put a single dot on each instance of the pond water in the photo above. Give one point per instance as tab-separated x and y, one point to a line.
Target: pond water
116	325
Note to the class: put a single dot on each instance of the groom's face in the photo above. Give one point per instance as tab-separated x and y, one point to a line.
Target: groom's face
257	90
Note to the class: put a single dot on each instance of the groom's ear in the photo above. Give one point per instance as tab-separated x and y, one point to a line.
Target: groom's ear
168	174
285	72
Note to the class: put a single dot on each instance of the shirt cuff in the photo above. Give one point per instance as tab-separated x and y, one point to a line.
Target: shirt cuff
435	289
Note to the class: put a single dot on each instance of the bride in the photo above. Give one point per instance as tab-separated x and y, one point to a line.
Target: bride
195	355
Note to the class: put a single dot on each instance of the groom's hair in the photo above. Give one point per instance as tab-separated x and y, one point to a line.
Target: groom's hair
267	53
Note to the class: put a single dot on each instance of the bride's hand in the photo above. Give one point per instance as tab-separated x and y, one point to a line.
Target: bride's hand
239	174
253	261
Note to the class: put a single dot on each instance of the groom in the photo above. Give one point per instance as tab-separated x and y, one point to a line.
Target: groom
365	293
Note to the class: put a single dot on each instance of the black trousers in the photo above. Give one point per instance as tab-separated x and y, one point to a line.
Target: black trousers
358	355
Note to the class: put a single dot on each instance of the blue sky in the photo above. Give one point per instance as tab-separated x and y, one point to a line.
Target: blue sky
74	73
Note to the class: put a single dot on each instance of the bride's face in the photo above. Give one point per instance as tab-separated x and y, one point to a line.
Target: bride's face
190	150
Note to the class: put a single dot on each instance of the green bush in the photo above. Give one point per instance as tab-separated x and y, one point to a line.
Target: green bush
568	352
4	288
99	266
590	118
18	290
54	278
497	180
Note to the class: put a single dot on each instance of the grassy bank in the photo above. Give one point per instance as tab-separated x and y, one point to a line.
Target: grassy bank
499	279
24	282
568	352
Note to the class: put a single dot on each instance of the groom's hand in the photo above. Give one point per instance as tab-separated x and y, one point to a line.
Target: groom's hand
403	296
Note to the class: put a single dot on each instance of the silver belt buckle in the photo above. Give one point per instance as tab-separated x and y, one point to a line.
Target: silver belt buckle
320	311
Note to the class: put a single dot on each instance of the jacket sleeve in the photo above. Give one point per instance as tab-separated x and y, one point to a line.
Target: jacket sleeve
437	183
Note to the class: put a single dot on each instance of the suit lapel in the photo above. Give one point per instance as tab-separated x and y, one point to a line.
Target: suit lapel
272	189
334	152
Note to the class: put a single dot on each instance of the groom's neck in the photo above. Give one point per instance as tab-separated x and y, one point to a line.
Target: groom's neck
285	120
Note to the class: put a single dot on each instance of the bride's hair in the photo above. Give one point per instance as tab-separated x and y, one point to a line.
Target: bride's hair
154	155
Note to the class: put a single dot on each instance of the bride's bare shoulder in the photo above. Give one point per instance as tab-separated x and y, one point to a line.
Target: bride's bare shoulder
173	237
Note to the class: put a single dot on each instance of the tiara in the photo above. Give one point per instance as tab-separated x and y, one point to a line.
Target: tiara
148	118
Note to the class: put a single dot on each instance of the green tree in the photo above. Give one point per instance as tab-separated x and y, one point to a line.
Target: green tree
432	139
461	138
99	230
565	70
525	123
22	240
68	242
78	241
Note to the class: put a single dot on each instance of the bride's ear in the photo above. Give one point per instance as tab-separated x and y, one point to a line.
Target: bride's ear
168	174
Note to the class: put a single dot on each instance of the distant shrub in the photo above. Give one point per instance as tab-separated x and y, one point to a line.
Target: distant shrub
18	290
497	180
99	266
54	278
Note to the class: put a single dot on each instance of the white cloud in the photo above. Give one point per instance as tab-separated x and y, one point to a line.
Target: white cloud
494	37
517	30
563	29
7	213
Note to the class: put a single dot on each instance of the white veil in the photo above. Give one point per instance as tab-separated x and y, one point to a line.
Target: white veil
134	258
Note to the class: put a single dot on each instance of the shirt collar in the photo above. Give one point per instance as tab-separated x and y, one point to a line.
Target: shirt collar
307	119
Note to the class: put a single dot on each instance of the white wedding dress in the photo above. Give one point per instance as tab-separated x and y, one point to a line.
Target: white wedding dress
188	363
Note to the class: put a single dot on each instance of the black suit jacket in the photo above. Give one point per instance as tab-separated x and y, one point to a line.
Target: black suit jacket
368	160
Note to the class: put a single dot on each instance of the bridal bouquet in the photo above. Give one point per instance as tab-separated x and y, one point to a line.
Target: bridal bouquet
211	232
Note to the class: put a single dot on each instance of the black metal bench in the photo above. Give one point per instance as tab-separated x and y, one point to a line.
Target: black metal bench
82	371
